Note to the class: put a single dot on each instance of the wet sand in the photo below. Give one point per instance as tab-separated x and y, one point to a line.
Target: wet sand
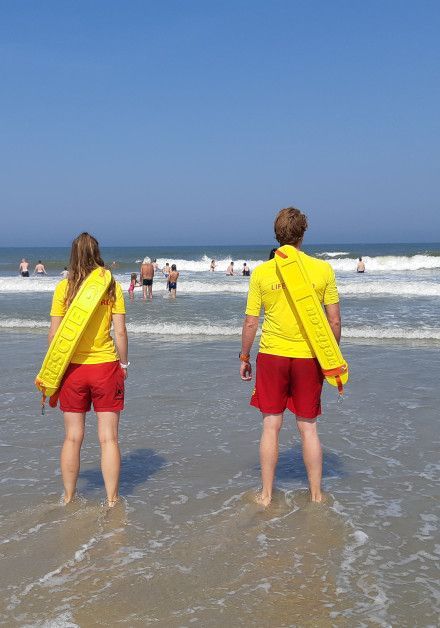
187	544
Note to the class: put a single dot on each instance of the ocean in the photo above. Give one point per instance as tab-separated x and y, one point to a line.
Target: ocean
187	545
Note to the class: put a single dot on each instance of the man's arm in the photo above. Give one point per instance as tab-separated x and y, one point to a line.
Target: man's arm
333	313
250	327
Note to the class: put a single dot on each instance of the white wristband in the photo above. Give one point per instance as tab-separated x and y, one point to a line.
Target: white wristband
124	366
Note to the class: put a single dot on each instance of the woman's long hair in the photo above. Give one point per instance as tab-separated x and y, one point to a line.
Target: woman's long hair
85	257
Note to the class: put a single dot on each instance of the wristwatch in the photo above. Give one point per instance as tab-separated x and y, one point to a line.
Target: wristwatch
243	357
124	366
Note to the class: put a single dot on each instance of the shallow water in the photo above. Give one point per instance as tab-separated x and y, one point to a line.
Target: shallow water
187	544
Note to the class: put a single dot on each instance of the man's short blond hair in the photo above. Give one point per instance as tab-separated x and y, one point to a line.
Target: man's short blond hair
290	225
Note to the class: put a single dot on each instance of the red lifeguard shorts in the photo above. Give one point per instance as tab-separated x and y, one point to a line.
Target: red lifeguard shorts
102	384
293	383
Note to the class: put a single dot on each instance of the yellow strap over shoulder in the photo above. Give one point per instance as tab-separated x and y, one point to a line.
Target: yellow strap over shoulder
70	331
307	307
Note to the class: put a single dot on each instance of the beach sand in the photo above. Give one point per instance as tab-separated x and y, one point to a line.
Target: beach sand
187	544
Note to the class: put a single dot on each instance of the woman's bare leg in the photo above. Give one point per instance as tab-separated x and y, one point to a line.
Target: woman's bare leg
74	423
108	423
312	455
269	454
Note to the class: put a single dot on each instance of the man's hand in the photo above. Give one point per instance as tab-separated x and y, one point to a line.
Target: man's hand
246	371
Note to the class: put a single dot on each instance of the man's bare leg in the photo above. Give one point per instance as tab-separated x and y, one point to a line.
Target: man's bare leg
108	423
74	423
312	455
269	454
144	292
150	292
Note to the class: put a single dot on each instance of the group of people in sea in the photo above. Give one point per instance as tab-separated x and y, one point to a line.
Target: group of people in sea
230	271
148	269
39	269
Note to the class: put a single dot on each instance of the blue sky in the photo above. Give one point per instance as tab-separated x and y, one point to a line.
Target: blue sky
192	122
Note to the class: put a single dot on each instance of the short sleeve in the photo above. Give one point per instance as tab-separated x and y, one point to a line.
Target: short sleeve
119	304
331	295
59	299
253	306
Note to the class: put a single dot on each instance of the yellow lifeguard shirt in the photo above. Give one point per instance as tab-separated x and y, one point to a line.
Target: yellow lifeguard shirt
96	345
282	332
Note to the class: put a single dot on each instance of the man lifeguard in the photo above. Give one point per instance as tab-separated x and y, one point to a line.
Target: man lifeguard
288	374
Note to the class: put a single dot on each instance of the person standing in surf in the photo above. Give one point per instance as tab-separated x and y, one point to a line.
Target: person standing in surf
146	276
288	374
96	373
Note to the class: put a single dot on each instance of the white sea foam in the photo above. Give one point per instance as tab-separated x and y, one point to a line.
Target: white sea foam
388	263
392	333
354	286
178	329
360	287
333	253
25	323
207	329
31	284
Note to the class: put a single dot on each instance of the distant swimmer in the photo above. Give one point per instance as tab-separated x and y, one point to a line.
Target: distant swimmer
146	277
288	374
246	270
64	273
360	266
172	281
39	269
166	270
230	269
24	268
133	283
155	265
212	266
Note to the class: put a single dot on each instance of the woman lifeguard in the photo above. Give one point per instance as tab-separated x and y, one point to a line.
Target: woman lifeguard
96	373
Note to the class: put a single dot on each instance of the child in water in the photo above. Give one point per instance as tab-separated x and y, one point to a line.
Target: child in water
133	283
172	281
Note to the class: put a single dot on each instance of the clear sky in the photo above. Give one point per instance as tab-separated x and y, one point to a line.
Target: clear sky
192	122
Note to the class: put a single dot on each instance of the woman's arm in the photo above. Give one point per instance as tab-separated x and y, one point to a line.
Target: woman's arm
121	338
55	322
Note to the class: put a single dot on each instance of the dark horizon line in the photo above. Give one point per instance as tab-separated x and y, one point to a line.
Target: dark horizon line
268	244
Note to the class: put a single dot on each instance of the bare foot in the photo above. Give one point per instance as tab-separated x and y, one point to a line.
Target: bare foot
262	500
67	500
111	503
318	499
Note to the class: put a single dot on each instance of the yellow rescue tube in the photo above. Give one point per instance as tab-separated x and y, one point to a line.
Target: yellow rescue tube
70	330
306	305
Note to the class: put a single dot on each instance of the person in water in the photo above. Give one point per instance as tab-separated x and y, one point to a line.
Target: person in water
39	269
96	373
360	266
64	273
24	268
246	271
146	277
212	266
230	269
288	374
172	281
133	283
